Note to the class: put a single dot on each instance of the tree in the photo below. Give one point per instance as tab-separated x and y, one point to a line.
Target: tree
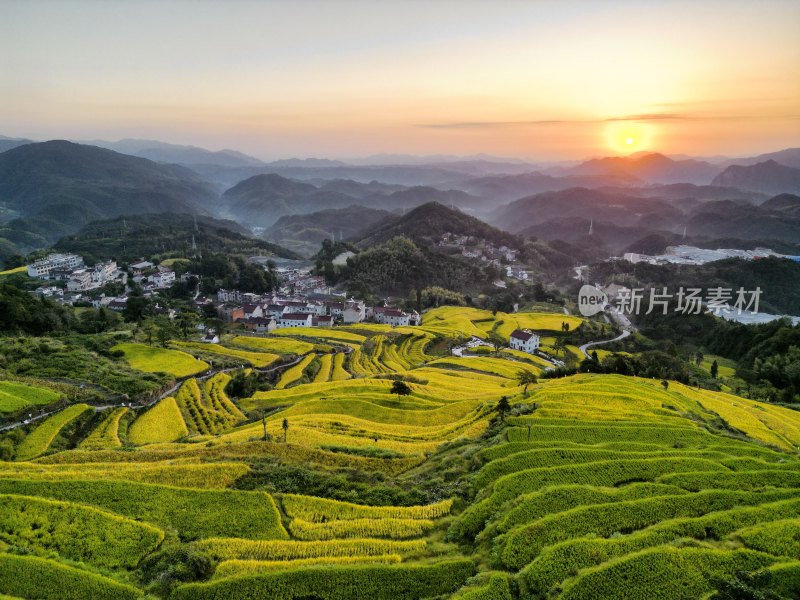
665	384
714	369
526	378
148	329
163	336
285	427
559	345
698	358
595	358
186	323
264	423
137	308
502	408
401	388
497	341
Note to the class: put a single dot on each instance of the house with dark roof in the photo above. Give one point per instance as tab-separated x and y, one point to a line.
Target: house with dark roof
524	340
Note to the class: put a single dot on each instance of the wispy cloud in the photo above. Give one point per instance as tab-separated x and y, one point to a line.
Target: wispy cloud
533	123
638	117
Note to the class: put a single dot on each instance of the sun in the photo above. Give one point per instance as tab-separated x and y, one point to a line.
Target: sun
628	136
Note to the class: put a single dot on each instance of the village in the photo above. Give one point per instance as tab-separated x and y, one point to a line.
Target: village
502	257
303	299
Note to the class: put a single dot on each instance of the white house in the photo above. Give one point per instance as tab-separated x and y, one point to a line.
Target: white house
295	320
163	279
525	340
140	267
54	262
322	321
353	311
391	316
80	281
261	324
210	337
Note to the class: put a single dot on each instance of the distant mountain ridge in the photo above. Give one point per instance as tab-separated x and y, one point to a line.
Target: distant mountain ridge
261	200
177	154
57	187
304	233
427	223
769	177
652	168
789	157
130	237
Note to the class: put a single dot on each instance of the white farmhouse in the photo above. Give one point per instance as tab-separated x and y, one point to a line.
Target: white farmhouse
163	279
524	340
354	311
391	316
295	320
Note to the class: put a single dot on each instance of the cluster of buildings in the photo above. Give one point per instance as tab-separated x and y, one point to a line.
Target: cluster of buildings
265	313
691	255
71	269
152	277
72	279
501	257
473	247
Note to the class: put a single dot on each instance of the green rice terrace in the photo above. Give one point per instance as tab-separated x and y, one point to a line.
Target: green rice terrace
369	462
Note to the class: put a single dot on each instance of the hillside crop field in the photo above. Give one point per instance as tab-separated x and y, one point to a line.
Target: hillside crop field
332	482
17	396
161	360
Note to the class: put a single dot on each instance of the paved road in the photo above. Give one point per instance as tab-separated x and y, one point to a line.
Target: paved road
621	336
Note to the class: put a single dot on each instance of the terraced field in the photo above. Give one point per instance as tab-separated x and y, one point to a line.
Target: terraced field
596	494
161	360
17	396
595	486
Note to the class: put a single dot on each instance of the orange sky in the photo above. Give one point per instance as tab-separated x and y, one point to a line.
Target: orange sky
544	80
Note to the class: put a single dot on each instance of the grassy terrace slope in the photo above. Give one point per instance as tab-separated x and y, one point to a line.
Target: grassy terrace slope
595	486
160	360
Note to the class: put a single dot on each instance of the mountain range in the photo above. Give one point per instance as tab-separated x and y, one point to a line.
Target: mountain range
768	176
304	233
51	189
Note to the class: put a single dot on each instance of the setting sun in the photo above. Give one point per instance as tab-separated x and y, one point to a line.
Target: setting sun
625	137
